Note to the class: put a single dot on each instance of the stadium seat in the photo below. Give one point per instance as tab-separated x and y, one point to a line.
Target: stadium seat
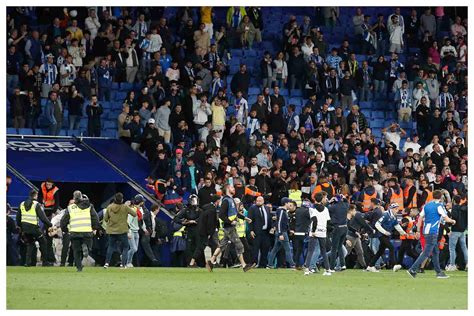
25	131
12	131
63	132
296	93
377	124
254	90
74	132
115	86
284	92
126	86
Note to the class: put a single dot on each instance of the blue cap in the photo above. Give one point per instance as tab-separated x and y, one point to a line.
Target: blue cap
285	200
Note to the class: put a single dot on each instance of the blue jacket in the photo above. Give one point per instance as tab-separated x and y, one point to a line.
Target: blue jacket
282	154
388	222
282	223
105	76
49	113
361	159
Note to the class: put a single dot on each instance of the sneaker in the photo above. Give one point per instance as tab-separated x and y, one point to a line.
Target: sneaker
79	269
306	272
106	266
396	267
209	265
343	268
421	270
129	265
269	268
313	271
372	269
235	266
123	267
331	270
442	275
451	267
411	273
327	273
293	268
247	267
192	266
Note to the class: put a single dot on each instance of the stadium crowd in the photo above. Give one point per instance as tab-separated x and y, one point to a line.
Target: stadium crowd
285	168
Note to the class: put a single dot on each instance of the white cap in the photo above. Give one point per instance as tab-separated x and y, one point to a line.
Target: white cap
151	121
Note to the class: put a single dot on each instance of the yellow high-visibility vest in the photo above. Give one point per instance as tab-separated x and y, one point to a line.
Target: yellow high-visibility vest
80	219
179	233
29	216
220	233
241	227
295	195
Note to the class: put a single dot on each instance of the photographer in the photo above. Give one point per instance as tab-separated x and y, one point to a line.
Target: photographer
94	111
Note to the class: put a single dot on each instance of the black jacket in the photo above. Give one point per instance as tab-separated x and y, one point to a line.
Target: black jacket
208	222
338	212
358	224
30	228
459	213
240	81
302	220
94	219
258	221
204	195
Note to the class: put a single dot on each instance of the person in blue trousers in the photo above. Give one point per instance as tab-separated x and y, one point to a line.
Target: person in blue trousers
281	233
431	216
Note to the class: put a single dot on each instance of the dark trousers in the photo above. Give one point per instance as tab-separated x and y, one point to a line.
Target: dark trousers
407	246
203	242
261	244
65	250
30	239
114	239
338	238
145	243
49	254
384	244
192	237
93	129
247	252
77	248
298	245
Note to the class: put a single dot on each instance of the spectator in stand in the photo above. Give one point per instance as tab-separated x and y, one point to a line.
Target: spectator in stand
162	118
18	108
241	81
427	22
105	75
94	111
403	99
75	106
296	69
396	36
348	88
280	70
54	113
247	32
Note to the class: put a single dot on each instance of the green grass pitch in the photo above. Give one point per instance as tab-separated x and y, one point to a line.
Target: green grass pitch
174	288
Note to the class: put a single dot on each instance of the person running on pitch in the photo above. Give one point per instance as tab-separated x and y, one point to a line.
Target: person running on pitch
431	216
228	213
318	231
384	227
80	220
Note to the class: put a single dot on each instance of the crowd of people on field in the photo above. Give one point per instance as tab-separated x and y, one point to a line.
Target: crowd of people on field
195	124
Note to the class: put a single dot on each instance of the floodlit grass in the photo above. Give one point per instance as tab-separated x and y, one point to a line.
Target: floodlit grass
174	288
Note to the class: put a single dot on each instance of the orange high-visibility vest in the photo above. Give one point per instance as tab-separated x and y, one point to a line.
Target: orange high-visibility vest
397	198
48	196
409	229
429	198
367	200
406	192
326	187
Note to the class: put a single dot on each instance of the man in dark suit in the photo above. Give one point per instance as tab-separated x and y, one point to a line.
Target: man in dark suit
260	231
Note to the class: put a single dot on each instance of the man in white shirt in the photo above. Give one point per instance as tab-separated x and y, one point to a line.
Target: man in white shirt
319	216
413	144
394	136
92	24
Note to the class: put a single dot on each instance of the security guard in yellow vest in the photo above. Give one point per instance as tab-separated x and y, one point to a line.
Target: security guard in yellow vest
28	217
83	221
